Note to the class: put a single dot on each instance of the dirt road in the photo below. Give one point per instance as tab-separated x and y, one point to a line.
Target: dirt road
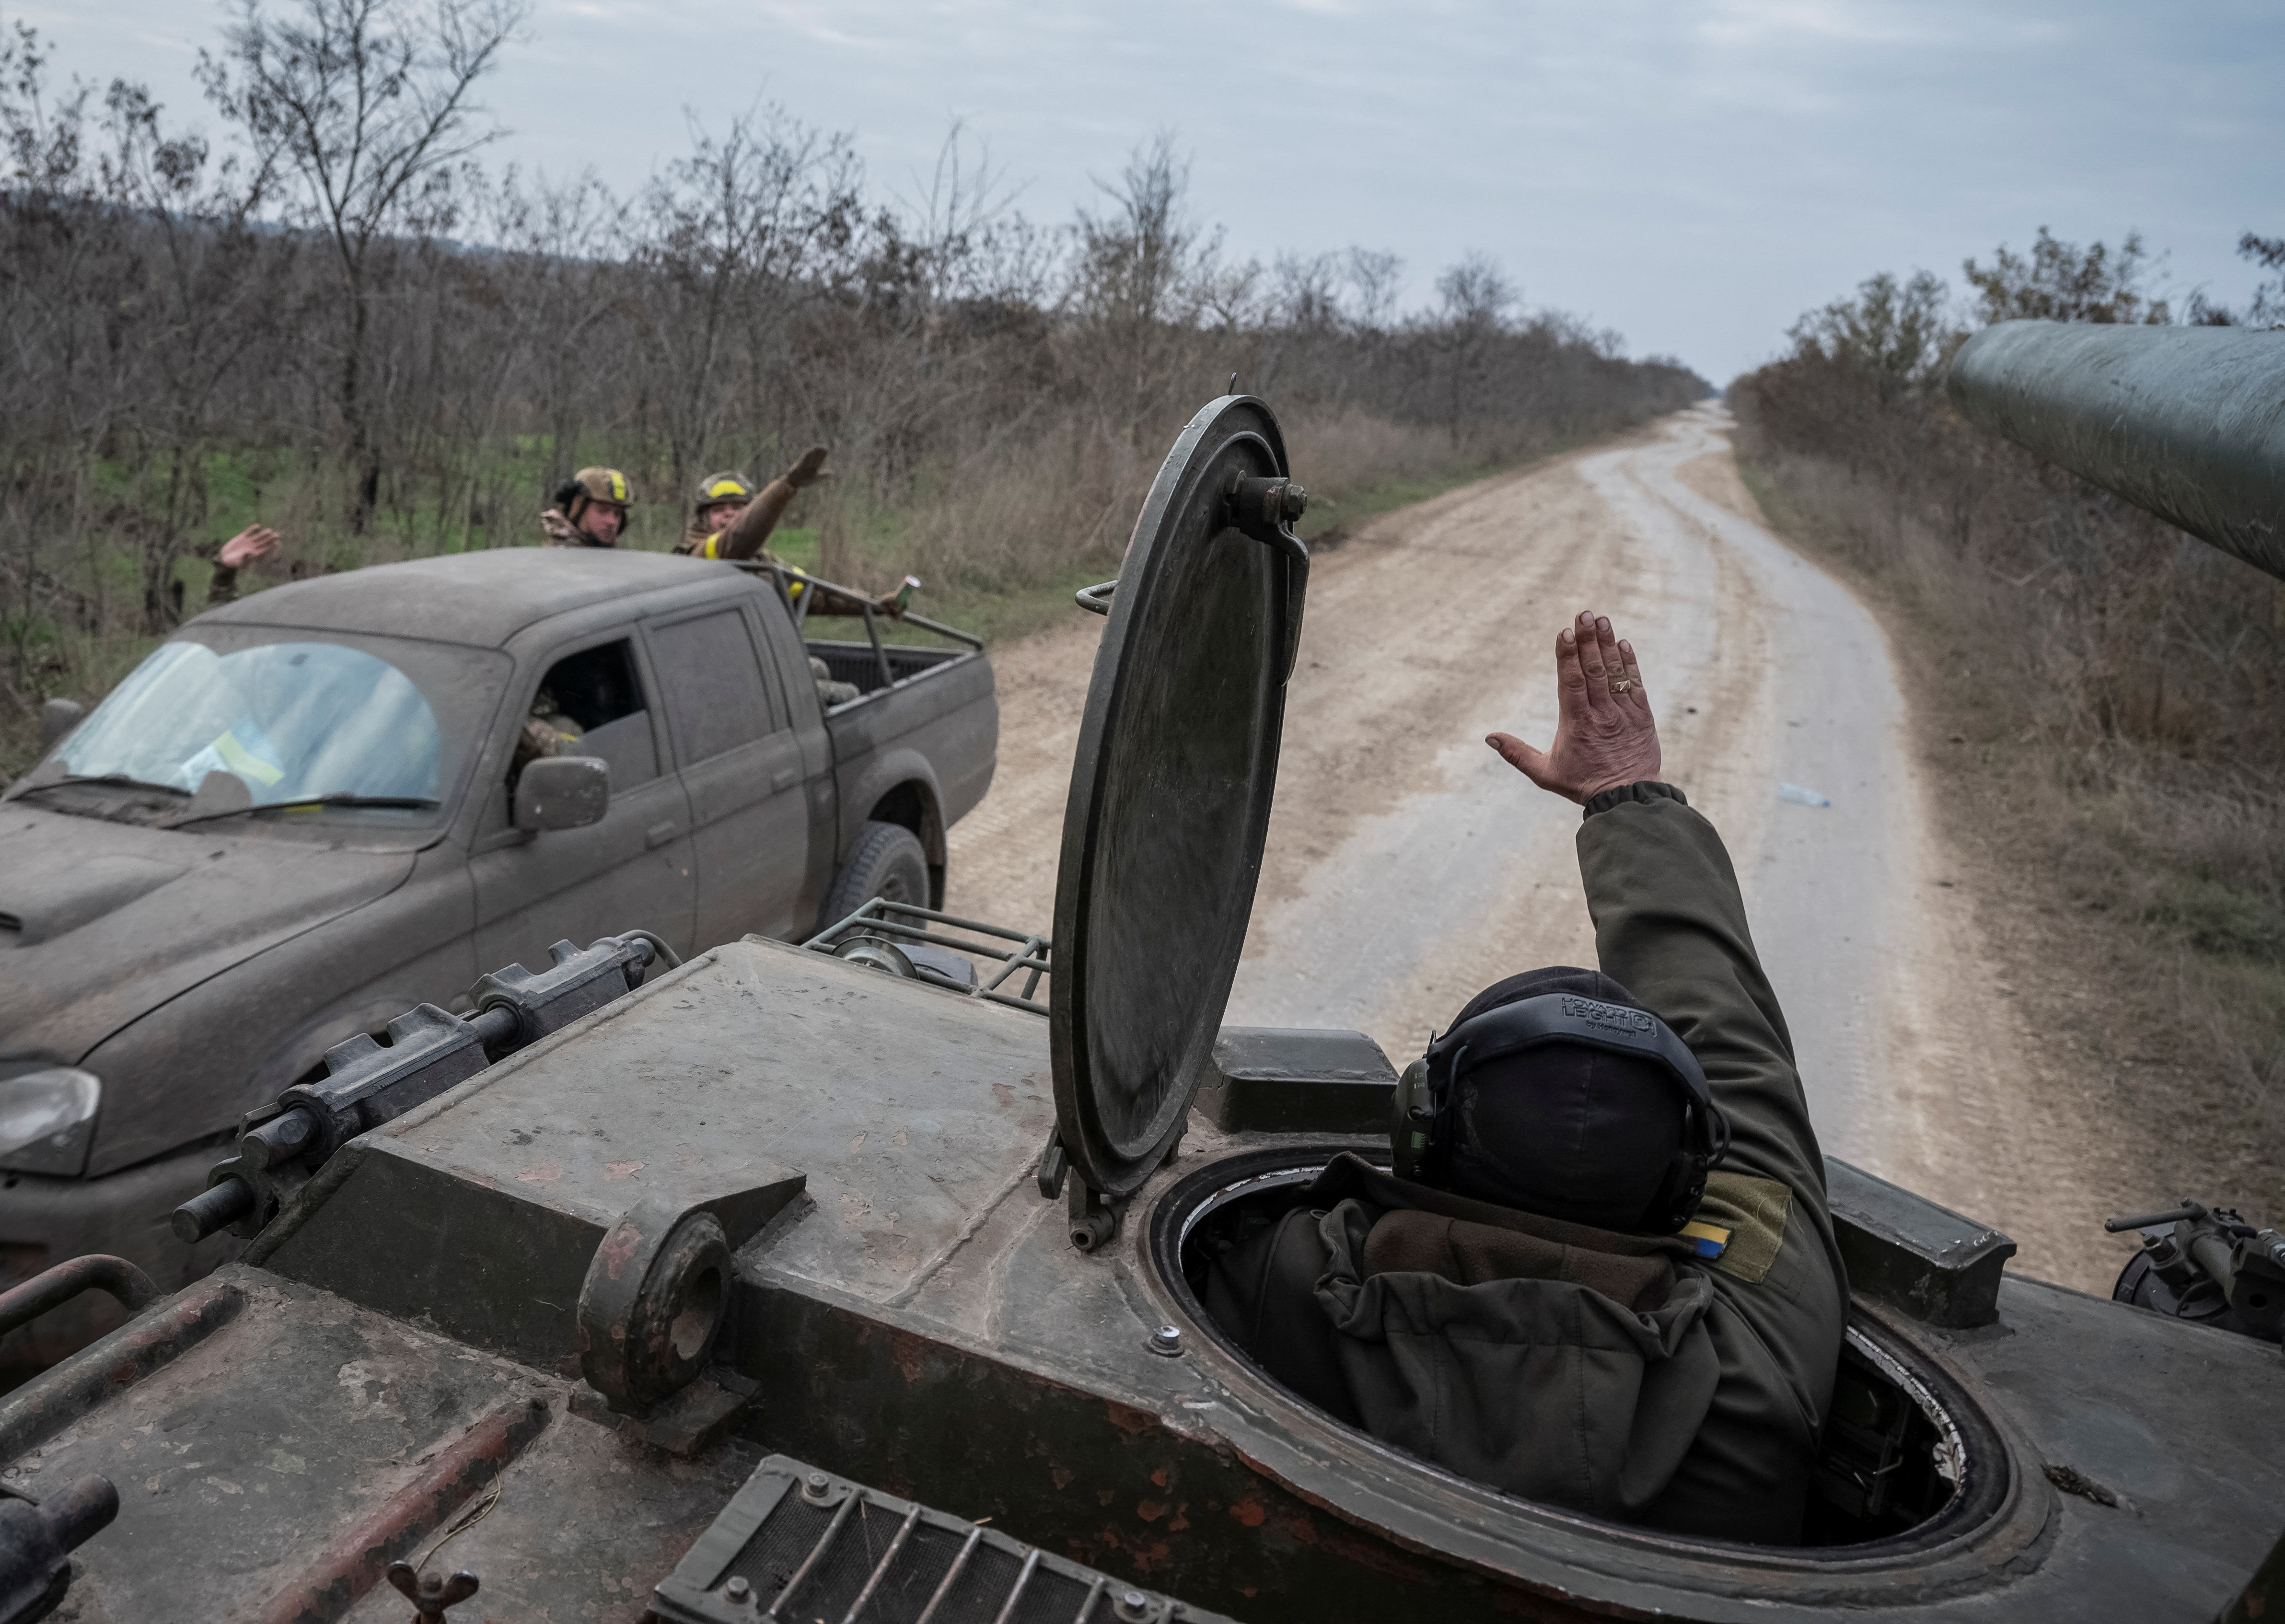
1409	867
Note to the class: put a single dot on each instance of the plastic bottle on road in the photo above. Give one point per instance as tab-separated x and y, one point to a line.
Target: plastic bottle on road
1800	797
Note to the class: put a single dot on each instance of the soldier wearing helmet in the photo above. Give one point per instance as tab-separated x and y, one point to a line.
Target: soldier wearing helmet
729	519
590	511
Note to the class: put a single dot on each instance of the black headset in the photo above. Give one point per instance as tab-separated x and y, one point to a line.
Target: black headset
1421	1127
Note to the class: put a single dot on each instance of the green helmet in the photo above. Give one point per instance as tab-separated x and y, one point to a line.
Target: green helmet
731	487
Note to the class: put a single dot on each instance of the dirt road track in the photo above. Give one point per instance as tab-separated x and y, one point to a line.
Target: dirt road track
1408	866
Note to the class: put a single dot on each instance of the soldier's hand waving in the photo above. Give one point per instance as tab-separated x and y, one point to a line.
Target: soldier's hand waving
255	541
1604	736
809	470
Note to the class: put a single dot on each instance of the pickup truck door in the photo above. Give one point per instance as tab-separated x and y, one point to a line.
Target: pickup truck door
742	769
633	870
788	659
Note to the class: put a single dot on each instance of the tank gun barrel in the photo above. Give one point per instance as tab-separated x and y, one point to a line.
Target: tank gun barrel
2188	423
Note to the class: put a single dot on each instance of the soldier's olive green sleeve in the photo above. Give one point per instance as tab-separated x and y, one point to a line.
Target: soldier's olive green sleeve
1670	926
747	533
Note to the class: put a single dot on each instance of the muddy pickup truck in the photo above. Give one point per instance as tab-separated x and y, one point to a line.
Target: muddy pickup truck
303	813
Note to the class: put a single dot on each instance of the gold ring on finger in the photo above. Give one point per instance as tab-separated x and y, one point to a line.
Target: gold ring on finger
1623	685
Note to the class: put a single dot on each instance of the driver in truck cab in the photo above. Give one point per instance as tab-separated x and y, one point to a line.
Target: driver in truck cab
1602	1273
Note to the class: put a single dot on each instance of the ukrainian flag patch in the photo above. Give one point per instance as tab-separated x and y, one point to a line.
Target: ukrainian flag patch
1708	1240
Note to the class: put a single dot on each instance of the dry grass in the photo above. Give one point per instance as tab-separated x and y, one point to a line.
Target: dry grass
1000	538
2131	891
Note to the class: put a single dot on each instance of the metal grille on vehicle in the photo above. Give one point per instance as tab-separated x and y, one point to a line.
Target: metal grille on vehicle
800	1546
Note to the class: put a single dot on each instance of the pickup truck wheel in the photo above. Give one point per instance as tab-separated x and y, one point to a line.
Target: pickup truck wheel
887	861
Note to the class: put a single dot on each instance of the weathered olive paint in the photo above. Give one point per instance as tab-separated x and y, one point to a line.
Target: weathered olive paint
1905	1251
1280	1079
1110	1484
916	1319
1172	780
2187	422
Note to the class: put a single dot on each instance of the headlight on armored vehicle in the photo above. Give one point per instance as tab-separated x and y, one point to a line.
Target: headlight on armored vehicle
47	1115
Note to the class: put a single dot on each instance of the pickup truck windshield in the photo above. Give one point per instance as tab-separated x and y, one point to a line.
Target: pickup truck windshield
296	717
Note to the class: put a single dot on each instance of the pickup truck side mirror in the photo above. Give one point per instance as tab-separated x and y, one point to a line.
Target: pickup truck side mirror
58	717
562	792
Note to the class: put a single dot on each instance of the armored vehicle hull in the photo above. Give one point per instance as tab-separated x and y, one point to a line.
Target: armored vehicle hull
910	1312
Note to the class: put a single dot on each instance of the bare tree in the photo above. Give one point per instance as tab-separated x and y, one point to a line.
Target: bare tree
1376	278
2268	307
556	294
1137	279
725	234
2061	281
202	280
1896	332
59	393
177	314
372	105
1477	297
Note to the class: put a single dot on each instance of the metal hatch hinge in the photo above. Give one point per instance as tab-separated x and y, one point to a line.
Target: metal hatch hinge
1265	509
1093	1218
1094	1215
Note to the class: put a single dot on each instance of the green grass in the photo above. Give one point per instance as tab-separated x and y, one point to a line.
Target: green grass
1327	514
279	487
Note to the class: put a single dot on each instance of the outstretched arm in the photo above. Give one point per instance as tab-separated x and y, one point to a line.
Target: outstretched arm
750	529
1669	923
255	541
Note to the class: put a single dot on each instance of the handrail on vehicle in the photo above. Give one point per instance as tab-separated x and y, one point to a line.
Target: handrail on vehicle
95	1272
783	576
906	921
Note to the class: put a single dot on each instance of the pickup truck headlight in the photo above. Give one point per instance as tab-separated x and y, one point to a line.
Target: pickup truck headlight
47	1115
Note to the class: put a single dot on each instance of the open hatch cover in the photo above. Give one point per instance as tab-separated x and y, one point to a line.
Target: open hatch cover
1171	790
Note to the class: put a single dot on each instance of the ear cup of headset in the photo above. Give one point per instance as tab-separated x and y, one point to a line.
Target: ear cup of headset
1685	1182
1411	1117
1705	1143
570	492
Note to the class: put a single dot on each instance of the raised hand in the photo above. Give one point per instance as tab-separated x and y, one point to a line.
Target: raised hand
255	541
809	470
1604	736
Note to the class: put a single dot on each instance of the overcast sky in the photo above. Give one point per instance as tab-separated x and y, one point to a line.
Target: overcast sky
1694	175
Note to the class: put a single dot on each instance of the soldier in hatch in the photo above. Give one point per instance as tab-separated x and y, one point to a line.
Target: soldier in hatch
1604	1275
